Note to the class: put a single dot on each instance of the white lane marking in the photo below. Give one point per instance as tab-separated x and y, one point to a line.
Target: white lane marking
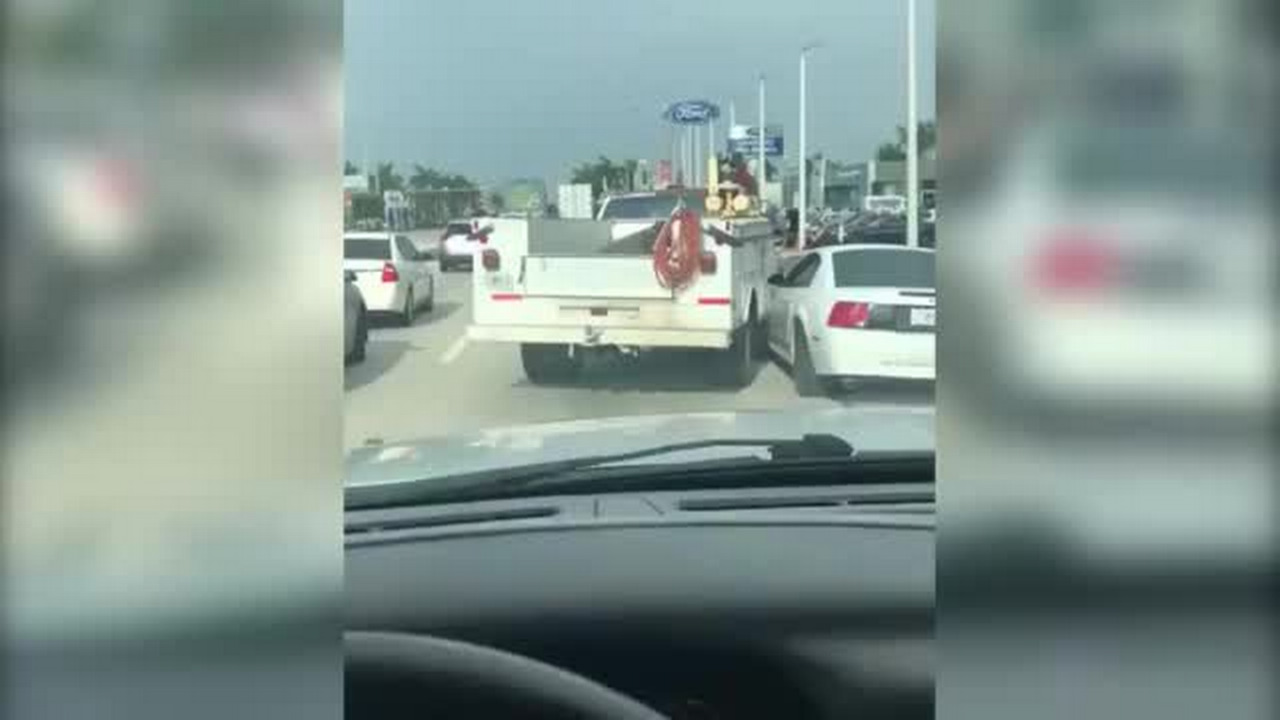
457	348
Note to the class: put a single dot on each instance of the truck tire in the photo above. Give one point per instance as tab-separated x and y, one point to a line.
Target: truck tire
549	363
736	366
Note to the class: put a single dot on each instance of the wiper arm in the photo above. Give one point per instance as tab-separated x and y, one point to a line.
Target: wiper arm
807	447
490	484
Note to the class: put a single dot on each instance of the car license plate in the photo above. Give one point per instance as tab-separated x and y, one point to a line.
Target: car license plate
923	317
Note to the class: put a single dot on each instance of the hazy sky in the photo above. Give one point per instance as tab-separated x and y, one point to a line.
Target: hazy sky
496	89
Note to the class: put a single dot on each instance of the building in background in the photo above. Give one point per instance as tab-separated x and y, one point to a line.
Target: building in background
890	177
523	195
842	185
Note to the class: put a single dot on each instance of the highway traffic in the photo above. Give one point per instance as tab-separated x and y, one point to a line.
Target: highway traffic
428	380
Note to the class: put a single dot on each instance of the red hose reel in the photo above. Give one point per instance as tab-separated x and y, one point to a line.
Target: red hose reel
677	251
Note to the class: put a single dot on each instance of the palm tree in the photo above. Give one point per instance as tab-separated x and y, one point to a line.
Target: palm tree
388	178
926	139
423	178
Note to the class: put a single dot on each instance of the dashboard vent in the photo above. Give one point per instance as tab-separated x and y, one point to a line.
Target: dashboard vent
800	502
447	517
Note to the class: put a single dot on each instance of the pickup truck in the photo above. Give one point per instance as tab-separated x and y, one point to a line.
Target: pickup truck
560	288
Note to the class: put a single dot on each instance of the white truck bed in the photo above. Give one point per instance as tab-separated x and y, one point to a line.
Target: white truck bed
557	283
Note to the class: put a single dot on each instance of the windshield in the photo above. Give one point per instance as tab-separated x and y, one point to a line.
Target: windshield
648	207
577	322
367	249
886	204
883	268
1175	164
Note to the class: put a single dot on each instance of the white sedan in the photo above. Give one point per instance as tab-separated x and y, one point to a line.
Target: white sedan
854	311
392	274
459	244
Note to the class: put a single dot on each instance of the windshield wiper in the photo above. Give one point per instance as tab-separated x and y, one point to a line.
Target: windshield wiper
504	483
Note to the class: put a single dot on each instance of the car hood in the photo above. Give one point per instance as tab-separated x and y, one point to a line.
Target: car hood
881	429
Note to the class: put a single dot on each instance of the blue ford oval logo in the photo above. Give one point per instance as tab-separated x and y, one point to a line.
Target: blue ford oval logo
692	112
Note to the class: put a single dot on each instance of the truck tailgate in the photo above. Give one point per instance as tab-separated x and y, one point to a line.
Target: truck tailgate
592	276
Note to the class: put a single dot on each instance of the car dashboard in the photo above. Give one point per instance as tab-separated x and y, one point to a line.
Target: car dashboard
810	603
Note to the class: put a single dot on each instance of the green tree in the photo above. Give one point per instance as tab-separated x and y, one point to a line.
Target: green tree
388	178
890	152
497	202
603	173
349	168
926	140
425	178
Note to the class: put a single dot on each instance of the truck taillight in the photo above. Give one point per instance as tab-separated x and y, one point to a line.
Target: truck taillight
389	273
849	315
490	259
707	263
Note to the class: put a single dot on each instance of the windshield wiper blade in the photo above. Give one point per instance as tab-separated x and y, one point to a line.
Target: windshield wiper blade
810	447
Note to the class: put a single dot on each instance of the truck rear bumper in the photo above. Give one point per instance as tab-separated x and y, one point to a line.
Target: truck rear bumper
637	337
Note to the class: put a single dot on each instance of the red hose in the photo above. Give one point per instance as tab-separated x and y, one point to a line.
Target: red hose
677	250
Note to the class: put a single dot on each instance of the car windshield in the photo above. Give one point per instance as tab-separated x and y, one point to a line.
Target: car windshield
886	204
366	249
648	207
1169	163
583	319
883	268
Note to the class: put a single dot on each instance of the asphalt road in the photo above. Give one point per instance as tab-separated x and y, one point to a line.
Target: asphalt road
429	381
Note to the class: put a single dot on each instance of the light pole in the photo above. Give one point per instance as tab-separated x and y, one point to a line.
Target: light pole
711	143
804	146
913	168
698	155
762	174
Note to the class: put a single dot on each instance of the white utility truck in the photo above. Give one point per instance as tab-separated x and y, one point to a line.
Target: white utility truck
561	288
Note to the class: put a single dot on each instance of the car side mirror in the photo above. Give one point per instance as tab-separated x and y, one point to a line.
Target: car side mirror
775	280
349	275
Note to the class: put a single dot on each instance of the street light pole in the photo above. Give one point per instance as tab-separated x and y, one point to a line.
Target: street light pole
762	170
804	146
711	145
913	168
693	156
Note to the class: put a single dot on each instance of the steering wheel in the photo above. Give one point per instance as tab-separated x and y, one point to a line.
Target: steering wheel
398	675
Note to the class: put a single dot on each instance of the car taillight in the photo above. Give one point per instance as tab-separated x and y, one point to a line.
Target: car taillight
490	260
1073	263
115	183
389	273
707	263
849	315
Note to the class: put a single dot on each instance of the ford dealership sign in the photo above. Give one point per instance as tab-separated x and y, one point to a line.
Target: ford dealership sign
692	112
